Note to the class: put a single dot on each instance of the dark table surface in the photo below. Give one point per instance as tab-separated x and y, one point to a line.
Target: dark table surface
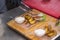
9	34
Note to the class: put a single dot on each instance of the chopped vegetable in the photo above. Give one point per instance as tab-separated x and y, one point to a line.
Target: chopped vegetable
40	14
49	31
44	17
30	19
58	23
52	33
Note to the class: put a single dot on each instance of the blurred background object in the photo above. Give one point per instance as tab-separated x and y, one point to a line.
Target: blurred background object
2	6
6	5
12	3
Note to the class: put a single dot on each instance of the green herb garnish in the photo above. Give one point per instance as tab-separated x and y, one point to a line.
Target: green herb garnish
58	23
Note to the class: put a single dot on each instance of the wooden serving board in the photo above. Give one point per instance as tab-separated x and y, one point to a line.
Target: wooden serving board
29	31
